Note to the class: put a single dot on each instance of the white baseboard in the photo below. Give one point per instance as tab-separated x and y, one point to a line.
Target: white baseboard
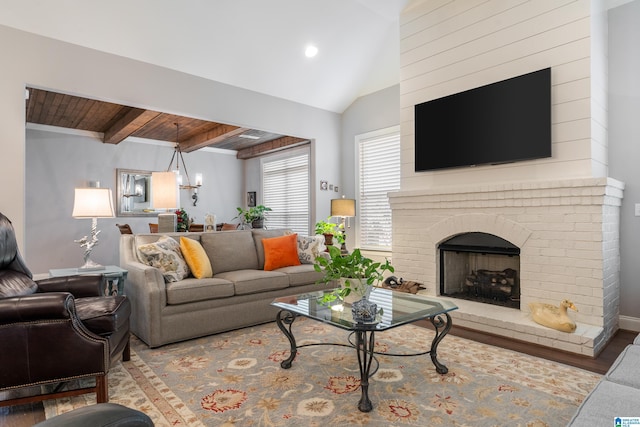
629	323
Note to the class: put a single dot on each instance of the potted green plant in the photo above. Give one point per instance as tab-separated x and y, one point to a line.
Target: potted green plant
329	230
356	273
254	215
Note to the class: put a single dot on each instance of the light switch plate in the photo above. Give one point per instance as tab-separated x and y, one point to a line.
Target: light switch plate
637	209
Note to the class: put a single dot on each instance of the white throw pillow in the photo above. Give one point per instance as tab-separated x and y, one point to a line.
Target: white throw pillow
309	247
165	255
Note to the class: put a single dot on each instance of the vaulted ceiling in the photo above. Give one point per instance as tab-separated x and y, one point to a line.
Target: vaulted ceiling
253	44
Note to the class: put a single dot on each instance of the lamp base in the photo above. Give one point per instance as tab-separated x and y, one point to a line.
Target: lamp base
167	222
90	265
343	249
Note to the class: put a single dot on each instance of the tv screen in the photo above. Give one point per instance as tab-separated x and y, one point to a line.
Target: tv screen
501	122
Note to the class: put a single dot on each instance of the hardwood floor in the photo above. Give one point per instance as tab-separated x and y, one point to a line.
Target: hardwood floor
28	415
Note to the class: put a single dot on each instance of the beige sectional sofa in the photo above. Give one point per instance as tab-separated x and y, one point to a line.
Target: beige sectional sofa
238	295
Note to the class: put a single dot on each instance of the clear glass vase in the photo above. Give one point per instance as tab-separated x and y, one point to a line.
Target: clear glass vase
364	310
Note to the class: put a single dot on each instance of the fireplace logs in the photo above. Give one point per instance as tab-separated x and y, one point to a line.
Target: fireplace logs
491	284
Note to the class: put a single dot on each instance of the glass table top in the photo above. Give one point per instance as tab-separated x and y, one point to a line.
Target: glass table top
398	308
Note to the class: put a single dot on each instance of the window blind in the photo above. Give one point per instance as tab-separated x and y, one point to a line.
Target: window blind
378	174
285	184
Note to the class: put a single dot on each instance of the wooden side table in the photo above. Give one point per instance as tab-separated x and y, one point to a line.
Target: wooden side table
115	277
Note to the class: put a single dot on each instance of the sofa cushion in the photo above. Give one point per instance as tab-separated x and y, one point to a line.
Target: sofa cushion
196	258
310	247
258	235
302	274
280	252
606	401
191	290
637	340
165	255
255	281
624	369
230	251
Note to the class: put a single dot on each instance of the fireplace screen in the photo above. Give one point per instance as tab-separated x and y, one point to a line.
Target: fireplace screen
480	267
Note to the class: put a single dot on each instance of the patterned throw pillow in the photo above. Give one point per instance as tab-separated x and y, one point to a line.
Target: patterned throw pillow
165	255
309	247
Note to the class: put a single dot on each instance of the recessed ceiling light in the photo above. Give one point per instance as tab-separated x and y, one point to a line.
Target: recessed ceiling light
311	51
246	136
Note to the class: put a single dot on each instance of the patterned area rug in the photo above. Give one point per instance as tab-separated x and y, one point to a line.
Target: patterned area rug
235	379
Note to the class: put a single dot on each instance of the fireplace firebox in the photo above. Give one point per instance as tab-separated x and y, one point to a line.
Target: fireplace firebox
480	267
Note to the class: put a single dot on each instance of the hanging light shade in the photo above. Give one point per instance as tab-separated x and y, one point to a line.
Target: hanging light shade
164	190
165	195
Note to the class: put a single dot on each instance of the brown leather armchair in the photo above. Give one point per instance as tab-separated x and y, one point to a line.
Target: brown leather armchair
57	329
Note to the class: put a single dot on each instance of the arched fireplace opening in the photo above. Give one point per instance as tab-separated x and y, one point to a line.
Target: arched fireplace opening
480	267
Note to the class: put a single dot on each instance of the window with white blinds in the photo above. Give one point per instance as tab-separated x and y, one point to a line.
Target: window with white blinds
285	184
378	174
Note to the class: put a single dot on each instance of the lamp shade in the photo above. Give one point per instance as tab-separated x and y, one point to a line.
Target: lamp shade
164	190
343	207
92	203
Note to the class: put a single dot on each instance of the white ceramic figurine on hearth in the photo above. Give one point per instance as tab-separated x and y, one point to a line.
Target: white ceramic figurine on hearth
553	317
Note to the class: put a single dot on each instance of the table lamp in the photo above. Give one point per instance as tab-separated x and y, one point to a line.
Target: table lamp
343	208
165	195
92	203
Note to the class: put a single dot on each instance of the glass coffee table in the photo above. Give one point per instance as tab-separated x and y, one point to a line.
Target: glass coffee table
397	309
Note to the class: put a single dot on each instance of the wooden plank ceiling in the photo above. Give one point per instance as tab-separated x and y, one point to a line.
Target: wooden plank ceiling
117	122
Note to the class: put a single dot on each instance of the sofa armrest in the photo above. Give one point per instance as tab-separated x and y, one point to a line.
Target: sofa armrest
34	307
79	286
146	289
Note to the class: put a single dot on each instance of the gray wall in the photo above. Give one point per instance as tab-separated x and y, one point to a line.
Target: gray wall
624	143
59	162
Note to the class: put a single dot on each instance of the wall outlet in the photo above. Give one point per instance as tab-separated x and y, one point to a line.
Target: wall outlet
637	209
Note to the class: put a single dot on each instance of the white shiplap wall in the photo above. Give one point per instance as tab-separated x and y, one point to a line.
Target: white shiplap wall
599	88
449	46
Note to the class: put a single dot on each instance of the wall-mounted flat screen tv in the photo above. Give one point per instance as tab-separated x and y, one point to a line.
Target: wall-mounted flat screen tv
501	122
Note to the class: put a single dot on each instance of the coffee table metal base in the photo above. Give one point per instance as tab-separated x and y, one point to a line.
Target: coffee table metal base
364	348
364	345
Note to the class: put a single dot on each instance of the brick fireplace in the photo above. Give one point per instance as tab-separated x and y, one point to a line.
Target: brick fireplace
567	234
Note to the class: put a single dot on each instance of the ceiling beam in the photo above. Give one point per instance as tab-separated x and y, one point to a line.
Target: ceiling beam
271	146
128	124
211	137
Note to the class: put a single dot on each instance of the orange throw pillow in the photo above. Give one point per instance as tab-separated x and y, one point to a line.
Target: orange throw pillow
280	252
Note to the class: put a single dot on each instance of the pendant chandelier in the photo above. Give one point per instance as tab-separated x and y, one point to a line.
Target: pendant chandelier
177	155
